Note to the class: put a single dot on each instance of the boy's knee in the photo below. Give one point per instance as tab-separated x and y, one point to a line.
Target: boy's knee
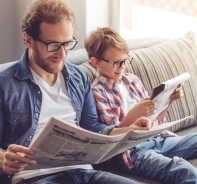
176	159
184	169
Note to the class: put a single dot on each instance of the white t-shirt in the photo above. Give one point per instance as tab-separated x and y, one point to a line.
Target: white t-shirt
55	97
128	101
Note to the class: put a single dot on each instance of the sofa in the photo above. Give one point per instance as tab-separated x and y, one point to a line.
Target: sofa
156	60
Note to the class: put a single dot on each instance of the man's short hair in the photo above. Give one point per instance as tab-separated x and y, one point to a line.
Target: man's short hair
49	11
100	40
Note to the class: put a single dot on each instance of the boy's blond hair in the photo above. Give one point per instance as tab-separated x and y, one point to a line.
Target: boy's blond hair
100	40
49	11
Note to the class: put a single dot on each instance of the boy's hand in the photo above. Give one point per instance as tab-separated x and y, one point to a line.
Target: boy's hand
178	93
13	160
143	108
142	123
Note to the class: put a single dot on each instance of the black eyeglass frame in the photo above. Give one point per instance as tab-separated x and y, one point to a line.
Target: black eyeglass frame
61	43
129	59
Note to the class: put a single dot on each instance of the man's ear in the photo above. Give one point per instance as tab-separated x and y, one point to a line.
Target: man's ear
94	61
27	40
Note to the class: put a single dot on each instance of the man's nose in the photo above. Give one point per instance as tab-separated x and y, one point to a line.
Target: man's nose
61	53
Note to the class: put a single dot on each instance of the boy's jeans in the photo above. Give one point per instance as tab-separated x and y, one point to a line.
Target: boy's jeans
163	159
79	176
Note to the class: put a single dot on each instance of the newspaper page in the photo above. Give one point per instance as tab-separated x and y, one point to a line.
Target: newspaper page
163	92
136	137
62	144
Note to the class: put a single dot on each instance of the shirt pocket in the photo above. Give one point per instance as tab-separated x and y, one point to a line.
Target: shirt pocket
15	118
16	124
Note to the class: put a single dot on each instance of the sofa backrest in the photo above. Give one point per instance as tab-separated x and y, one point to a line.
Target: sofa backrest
163	61
156	60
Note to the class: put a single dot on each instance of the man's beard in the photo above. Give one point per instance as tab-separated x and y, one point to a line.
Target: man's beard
42	63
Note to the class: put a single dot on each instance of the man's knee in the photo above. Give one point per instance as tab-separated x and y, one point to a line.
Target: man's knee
109	178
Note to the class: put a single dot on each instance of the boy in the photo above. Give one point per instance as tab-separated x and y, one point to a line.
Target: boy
121	98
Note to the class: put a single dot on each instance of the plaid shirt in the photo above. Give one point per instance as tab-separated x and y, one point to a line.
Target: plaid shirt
109	103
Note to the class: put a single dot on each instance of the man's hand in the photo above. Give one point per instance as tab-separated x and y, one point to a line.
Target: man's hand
14	159
142	123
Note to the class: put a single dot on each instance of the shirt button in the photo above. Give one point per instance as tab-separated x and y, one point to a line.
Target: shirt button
38	92
30	136
36	114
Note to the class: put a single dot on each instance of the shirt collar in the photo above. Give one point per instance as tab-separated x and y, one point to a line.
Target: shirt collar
109	83
23	71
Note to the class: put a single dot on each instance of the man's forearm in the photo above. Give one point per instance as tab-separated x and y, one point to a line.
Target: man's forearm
120	130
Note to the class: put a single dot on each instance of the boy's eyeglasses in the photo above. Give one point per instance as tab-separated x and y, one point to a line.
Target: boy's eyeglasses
55	46
118	64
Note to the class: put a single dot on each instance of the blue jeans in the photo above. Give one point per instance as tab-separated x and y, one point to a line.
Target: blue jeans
79	176
164	159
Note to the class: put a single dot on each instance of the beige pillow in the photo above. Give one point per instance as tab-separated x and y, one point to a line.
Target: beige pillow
164	61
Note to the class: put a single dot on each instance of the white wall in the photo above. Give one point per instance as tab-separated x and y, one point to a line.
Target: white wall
11	41
79	9
101	13
8	31
90	14
97	14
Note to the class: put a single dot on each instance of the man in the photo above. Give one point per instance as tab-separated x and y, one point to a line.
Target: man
39	85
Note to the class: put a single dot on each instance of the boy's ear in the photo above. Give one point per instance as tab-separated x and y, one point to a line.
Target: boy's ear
94	61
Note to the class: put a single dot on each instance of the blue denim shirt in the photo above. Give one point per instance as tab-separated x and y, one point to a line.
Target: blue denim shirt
21	100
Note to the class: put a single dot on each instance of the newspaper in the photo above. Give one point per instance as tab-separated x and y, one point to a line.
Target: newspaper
163	92
62	144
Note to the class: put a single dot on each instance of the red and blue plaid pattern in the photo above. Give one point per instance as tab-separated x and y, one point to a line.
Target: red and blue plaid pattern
109	101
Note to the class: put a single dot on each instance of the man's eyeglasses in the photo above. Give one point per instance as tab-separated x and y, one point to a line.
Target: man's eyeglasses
55	46
118	64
